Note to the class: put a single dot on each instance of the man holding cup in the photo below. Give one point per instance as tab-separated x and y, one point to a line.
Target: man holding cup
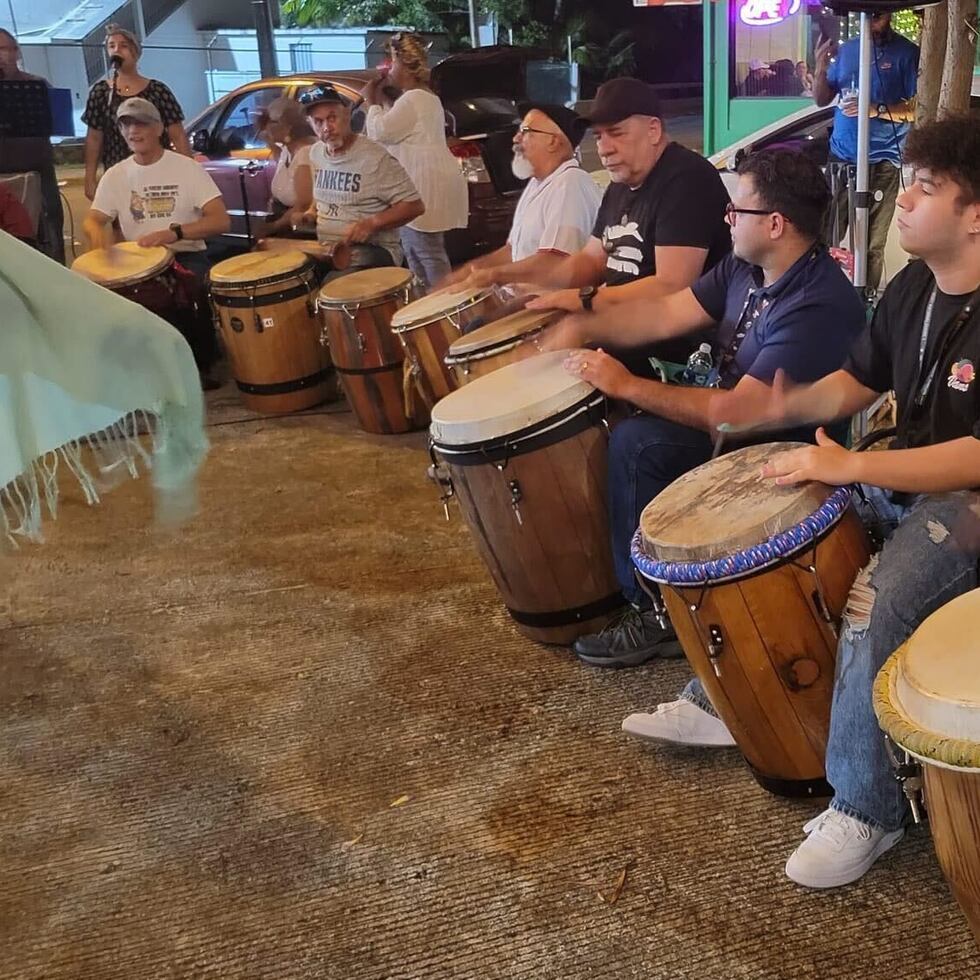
894	68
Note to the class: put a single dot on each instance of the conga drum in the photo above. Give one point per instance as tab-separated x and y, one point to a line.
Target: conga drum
755	579
509	339
429	325
142	275
927	699
368	357
265	307
526	452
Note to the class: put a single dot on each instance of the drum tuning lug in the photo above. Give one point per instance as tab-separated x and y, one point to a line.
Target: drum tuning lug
716	643
909	774
515	498
361	342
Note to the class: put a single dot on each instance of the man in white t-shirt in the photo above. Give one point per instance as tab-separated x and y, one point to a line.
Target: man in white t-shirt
557	209
162	198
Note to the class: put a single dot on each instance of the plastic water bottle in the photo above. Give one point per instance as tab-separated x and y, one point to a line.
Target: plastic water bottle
699	366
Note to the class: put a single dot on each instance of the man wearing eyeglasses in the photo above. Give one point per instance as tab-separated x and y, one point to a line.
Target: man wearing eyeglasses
556	211
779	303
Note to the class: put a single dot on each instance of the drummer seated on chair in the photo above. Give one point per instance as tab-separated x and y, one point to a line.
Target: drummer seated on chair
162	198
780	302
361	193
924	343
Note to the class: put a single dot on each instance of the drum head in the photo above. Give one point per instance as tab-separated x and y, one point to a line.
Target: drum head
360	287
507	401
501	333
256	266
932	687
725	506
435	306
123	264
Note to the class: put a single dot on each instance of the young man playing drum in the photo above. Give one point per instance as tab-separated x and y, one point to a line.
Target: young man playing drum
361	193
779	302
162	198
921	495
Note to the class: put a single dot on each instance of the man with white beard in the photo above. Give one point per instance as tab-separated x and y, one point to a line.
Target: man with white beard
557	209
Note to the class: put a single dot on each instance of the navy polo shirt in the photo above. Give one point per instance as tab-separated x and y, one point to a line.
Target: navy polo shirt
894	70
804	323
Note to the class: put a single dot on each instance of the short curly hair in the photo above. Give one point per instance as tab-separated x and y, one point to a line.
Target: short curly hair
792	184
950	147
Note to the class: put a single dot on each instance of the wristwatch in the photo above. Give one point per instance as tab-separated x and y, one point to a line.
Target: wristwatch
178	231
586	294
881	109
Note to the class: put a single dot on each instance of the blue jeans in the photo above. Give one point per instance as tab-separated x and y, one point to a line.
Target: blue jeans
426	255
924	563
646	454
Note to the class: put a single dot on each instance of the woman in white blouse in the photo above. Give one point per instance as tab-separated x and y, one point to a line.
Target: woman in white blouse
413	130
285	126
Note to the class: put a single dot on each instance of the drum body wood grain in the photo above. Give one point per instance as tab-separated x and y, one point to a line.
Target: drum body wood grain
369	359
266	312
535	504
429	326
762	640
491	347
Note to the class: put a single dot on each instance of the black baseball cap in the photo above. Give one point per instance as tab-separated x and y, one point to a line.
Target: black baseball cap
620	98
320	94
569	122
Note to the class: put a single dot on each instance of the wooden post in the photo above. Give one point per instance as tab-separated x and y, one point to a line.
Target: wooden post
931	58
961	52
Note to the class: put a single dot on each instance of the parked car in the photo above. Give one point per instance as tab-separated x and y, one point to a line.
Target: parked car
808	130
480	91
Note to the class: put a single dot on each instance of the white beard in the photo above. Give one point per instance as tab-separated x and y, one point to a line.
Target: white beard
520	168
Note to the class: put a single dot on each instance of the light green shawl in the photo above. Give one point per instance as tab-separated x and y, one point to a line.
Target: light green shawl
82	368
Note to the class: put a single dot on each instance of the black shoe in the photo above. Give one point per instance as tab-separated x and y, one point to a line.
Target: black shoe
208	383
634	638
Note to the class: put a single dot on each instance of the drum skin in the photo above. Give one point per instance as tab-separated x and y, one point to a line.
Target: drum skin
776	667
518	345
370	359
272	335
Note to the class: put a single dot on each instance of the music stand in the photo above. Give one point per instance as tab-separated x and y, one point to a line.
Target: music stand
25	109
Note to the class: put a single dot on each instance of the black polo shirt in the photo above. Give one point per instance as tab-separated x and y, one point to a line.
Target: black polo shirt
886	356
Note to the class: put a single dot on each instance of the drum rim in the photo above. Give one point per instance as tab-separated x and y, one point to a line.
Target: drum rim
166	262
373	299
932	748
482	353
274	280
746	561
450	310
489	348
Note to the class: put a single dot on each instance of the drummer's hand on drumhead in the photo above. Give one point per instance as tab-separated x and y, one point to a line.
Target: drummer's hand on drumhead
480	278
827	461
562	299
359	231
600	369
165	237
751	406
568	333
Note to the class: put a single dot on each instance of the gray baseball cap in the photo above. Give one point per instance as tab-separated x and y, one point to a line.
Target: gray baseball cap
141	109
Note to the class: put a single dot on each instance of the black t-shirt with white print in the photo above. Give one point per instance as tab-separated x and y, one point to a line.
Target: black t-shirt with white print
682	203
886	356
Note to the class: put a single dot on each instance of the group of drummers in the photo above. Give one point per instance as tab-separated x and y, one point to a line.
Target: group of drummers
613	292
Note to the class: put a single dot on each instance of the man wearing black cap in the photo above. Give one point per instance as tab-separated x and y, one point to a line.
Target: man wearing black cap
557	209
661	223
361	193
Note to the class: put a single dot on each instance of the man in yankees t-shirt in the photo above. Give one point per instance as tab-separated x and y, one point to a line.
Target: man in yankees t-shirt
661	223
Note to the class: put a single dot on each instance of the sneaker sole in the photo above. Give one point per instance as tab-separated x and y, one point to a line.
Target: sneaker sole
670	650
885	844
666	740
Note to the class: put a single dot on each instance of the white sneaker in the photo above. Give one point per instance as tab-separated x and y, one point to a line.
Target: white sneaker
838	850
680	723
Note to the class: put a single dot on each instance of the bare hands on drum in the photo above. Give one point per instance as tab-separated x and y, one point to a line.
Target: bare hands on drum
479	278
165	237
827	461
562	299
600	369
567	334
751	407
360	231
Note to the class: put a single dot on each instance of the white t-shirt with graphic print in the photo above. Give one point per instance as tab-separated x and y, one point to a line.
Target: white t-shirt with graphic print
151	198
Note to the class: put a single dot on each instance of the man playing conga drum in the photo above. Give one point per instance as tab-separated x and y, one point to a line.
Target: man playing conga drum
361	193
924	343
162	198
778	303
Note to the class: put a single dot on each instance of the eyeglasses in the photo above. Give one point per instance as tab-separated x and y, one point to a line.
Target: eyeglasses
524	130
731	213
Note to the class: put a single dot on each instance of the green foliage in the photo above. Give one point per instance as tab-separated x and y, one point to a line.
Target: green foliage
423	15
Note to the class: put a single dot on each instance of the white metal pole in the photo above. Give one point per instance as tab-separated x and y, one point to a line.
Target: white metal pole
862	200
474	30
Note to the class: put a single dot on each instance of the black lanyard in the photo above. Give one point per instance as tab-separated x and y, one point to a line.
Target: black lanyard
958	323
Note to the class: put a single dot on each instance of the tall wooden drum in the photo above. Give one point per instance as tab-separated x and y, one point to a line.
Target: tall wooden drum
429	325
368	357
265	307
509	339
927	698
526	451
142	275
756	578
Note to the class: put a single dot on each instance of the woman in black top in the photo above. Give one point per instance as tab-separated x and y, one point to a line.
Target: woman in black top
104	142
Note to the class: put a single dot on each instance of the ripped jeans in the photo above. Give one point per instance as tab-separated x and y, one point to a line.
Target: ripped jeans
929	557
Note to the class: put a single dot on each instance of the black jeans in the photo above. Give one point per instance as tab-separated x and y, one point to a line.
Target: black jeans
194	321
